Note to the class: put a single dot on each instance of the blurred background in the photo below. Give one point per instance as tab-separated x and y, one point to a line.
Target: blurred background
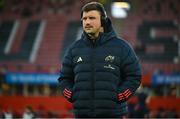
34	35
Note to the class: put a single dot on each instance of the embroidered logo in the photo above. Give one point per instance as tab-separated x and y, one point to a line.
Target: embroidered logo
79	59
109	67
109	58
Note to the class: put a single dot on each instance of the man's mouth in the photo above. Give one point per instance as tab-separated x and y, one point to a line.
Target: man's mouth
87	27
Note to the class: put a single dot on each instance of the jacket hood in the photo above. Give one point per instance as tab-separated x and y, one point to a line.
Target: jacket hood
108	34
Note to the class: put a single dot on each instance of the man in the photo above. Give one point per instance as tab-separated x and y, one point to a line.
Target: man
100	72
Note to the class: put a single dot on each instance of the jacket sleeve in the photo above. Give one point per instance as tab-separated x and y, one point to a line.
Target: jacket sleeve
130	73
66	79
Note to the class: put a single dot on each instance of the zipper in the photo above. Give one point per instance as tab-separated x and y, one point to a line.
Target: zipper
93	77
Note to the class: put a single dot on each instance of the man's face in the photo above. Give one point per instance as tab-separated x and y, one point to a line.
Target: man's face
92	23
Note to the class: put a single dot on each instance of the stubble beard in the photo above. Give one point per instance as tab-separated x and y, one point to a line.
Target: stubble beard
91	35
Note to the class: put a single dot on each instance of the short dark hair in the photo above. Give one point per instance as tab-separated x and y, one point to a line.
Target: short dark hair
95	6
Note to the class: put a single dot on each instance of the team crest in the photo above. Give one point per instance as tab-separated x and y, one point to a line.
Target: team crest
109	58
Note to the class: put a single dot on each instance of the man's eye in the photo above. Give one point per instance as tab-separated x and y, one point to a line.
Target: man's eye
91	17
84	18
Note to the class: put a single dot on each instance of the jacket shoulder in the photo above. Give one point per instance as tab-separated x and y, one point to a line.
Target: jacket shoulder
122	43
76	44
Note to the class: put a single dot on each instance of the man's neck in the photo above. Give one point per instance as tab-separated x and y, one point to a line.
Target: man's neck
92	37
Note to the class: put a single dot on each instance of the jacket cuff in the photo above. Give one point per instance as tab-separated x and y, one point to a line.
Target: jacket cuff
125	95
67	94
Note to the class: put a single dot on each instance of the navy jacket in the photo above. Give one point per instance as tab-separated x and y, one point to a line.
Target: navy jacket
98	78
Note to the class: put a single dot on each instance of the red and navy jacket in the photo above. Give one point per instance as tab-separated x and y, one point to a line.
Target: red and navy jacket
98	78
